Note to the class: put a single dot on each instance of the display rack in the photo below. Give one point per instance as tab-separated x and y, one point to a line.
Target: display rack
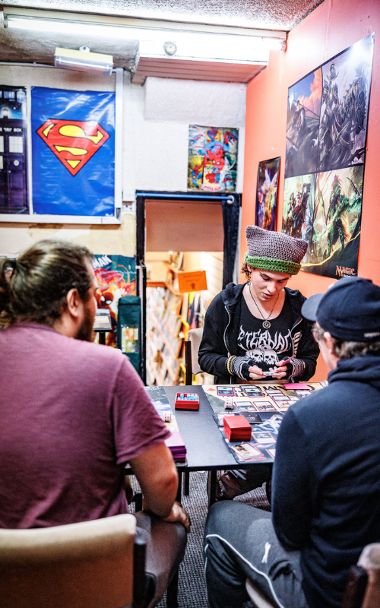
166	331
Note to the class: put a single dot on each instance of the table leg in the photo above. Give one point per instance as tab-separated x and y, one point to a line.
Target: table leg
186	483
172	592
179	491
211	487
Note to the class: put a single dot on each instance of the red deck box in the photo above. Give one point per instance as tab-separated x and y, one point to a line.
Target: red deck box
237	428
187	401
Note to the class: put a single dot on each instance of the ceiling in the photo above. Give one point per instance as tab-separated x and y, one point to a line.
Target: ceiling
281	15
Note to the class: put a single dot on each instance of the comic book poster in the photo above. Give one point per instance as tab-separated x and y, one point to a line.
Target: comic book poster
212	161
266	194
116	277
325	157
13	150
73	140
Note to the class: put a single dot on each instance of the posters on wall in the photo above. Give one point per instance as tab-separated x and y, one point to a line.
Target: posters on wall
13	150
116	277
325	157
212	162
266	194
73	152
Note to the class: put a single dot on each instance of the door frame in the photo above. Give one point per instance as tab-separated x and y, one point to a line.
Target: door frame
141	197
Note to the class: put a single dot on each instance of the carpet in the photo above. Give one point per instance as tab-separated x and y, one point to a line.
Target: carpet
192	586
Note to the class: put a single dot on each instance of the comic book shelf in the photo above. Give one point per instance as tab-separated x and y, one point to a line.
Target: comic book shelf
166	332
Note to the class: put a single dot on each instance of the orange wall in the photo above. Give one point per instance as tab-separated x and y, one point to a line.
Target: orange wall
331	28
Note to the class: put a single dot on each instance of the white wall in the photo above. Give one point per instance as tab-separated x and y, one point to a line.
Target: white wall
155	140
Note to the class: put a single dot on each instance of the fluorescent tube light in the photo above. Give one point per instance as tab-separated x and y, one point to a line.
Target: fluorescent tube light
227	44
84	61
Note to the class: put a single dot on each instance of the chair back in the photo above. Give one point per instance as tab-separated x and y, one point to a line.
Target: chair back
82	565
370	561
191	353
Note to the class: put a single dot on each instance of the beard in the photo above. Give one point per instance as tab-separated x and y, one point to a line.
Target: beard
86	331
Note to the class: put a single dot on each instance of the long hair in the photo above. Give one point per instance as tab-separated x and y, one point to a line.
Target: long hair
34	286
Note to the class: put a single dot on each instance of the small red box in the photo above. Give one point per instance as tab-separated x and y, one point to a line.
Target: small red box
186	401
237	428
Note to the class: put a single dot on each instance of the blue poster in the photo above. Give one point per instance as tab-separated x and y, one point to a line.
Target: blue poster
73	143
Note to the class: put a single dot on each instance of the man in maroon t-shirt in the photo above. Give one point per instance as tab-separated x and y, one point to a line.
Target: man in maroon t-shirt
73	413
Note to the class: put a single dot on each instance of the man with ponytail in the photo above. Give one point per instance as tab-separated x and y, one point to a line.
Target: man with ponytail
73	413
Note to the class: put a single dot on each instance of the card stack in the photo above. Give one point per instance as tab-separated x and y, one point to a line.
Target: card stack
186	401
237	428
177	446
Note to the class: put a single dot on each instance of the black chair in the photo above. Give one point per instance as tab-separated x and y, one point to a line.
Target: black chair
363	585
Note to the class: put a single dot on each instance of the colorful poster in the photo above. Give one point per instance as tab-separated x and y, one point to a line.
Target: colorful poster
325	158
116	277
212	162
266	194
13	150
73	140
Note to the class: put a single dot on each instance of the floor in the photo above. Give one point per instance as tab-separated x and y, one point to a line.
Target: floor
192	586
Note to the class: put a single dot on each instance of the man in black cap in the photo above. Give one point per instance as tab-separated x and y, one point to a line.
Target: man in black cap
326	481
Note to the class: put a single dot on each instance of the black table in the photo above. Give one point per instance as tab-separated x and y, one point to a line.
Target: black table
206	448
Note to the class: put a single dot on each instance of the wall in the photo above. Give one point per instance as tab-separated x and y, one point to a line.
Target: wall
183	226
155	144
328	30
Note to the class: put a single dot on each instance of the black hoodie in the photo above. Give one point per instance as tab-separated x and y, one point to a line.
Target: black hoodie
326	479
221	330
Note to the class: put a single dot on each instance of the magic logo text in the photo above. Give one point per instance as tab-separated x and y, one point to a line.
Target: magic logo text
342	271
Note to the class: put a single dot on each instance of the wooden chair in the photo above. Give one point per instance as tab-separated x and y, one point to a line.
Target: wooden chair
94	564
363	585
191	353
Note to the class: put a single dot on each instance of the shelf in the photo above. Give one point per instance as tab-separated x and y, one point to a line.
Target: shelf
155	284
164	344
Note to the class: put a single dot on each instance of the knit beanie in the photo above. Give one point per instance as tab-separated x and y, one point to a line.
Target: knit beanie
274	251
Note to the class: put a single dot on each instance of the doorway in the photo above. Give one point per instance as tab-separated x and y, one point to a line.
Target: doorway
179	228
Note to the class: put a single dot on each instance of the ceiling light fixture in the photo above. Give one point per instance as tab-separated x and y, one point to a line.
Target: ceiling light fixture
191	41
83	60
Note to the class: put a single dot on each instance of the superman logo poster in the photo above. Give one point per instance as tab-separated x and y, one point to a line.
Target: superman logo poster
73	139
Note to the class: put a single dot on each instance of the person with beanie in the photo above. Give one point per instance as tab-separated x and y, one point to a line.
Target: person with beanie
251	331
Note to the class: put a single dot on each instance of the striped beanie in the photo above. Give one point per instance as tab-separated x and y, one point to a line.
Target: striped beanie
274	251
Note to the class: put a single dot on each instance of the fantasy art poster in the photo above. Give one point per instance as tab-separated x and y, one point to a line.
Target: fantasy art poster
116	277
212	162
266	195
325	157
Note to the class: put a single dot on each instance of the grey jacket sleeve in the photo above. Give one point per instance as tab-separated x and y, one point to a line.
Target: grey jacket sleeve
291	485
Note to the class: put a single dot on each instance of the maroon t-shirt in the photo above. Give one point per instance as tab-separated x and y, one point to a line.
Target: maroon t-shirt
71	414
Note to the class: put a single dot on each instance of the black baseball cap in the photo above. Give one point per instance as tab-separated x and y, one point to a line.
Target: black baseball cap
349	310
